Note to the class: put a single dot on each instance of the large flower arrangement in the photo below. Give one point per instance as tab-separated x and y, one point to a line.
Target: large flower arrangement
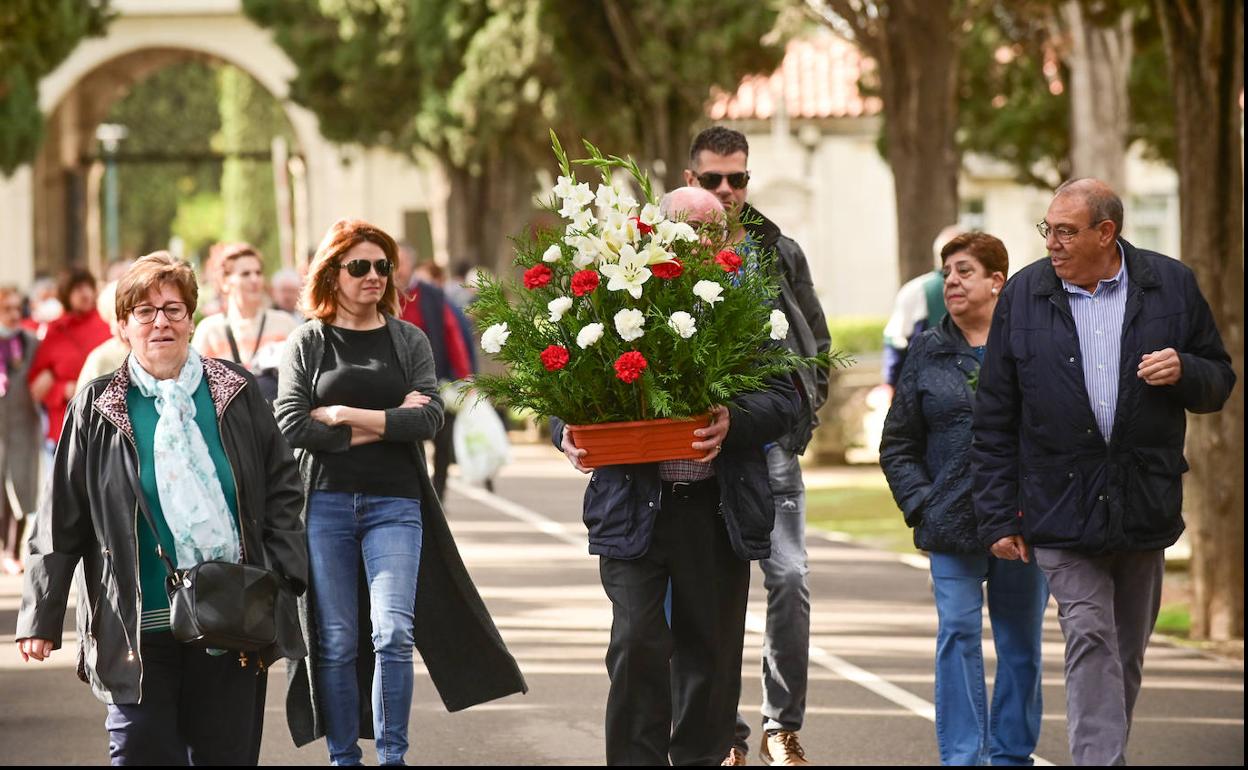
624	314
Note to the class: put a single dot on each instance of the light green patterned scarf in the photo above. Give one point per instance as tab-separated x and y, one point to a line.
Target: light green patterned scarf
186	479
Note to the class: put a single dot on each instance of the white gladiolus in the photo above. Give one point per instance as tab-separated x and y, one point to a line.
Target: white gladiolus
669	230
570	208
606	197
779	324
651	215
494	338
588	335
628	323
564	186
553	254
558	307
581	195
708	291
682	323
583	220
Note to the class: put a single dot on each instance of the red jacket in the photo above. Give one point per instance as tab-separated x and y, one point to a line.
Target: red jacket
63	351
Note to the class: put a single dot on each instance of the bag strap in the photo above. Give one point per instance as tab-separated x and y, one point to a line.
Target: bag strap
229	336
160	550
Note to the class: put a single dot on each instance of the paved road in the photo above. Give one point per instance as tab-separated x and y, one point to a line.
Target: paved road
871	678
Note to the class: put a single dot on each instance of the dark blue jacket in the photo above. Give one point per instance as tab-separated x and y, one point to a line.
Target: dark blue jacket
621	501
1043	469
925	450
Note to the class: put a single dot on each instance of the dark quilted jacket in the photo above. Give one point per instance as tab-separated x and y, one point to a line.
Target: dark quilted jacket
925	451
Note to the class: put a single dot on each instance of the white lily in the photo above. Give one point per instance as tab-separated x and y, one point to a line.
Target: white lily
779	324
683	324
557	307
628	323
564	186
708	291
628	274
588	335
493	339
655	253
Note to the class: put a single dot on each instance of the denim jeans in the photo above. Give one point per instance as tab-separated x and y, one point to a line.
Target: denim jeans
967	732
385	533
786	639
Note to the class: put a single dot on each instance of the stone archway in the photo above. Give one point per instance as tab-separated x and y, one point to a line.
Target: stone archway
40	199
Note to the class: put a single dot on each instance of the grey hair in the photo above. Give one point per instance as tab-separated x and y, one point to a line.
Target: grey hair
1102	202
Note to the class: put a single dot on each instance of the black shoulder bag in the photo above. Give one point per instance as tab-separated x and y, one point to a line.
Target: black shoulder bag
220	604
266	378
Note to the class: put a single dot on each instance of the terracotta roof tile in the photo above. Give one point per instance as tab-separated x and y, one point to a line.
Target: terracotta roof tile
818	78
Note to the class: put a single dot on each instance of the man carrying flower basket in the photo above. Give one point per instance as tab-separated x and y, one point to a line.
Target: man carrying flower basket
626	321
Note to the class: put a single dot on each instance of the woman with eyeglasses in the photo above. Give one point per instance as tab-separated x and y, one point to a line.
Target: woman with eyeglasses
357	398
172	454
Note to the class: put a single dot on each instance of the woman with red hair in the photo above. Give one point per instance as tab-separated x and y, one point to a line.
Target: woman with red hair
357	398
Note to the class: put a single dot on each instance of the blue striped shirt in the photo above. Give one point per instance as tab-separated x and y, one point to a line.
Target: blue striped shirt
1098	321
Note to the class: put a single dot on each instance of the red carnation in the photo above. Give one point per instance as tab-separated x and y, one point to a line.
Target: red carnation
583	282
554	358
629	366
668	270
537	276
728	260
642	227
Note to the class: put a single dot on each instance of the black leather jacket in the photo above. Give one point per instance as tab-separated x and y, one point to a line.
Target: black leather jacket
92	516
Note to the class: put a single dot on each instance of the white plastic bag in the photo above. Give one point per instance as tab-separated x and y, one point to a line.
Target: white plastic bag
480	438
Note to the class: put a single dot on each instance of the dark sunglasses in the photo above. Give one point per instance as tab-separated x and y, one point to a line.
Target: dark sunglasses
358	268
737	180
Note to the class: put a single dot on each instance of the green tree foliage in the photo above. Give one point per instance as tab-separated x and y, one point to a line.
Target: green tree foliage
36	36
478	83
1014	102
250	118
172	112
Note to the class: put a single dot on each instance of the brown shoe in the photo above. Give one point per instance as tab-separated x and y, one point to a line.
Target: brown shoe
782	748
735	757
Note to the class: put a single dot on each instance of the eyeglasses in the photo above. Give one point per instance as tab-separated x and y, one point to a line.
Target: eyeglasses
358	268
146	314
1063	233
737	180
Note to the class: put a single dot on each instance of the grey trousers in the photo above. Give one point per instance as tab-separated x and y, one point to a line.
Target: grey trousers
786	641
1107	605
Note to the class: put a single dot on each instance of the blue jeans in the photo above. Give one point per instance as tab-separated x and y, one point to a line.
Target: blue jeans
967	733
786	640
386	533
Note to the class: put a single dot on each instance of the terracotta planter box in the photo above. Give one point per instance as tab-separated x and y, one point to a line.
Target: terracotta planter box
643	441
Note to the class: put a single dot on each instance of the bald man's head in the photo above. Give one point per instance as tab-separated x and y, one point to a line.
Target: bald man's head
1100	200
693	205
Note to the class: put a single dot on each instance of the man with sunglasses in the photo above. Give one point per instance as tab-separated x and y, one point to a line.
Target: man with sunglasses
1094	356
718	161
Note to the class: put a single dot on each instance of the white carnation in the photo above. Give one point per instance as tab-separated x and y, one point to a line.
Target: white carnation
628	323
558	307
779	324
682	323
494	338
552	254
708	291
588	335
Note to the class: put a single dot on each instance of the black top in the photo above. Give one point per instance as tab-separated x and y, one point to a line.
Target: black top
361	370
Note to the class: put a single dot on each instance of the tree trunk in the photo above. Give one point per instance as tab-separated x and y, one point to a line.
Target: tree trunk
1099	57
918	78
1205	46
486	208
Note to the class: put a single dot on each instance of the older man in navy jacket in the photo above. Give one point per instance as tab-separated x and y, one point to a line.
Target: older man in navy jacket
700	536
1094	356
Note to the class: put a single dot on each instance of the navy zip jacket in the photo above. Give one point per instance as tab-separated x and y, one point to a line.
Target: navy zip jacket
621	501
925	449
1043	469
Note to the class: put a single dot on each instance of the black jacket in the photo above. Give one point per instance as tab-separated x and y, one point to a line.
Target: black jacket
925	450
808	328
1043	469
621	501
92	515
